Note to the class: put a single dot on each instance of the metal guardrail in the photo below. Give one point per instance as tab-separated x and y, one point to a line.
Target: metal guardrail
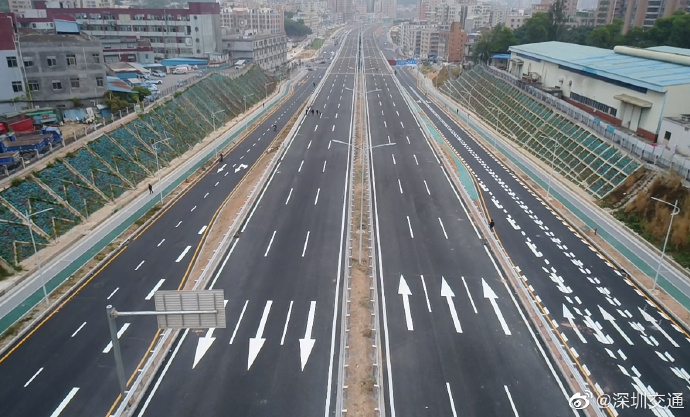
654	155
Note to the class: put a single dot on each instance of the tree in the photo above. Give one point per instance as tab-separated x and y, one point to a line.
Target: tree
296	29
535	29
637	37
607	36
558	19
114	102
577	35
680	31
143	92
498	39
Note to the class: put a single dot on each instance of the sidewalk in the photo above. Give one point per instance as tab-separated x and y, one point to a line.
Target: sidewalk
19	300
640	253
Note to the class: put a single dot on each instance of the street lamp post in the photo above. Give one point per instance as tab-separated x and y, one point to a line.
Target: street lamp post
33	243
213	116
553	159
154	144
674	212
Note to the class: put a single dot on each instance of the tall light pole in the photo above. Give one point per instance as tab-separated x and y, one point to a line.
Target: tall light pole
154	144
213	116
674	212
553	159
33	243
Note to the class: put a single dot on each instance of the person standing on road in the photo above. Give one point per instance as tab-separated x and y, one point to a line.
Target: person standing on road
150	189
221	157
491	225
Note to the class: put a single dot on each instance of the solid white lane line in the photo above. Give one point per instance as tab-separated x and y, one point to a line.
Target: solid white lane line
427	187
178	224
77	331
300	166
112	293
393	159
161	242
426	294
270	242
452	403
64	402
324	166
139	266
288	199
410	226
282	339
400	186
316	200
33	377
442	228
194	208
184	252
202	230
120	332
415	159
237	326
510	398
153	291
306	241
470	296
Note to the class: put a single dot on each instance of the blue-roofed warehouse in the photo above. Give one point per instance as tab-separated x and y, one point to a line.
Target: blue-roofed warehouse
628	87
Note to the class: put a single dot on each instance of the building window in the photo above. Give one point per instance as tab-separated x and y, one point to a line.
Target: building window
52	61
667	135
17	86
74	82
99	81
12	62
33	85
96	58
71	59
28	62
57	85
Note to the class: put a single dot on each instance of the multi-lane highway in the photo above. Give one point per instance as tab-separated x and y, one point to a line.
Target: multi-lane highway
456	343
65	366
628	349
283	278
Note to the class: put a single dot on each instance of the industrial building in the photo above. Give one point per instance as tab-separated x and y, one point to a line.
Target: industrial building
630	88
267	51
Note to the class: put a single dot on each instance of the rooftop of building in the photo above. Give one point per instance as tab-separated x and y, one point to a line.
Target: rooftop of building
49	36
648	73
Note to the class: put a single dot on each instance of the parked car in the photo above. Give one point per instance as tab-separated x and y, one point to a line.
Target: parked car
160	74
151	87
154	81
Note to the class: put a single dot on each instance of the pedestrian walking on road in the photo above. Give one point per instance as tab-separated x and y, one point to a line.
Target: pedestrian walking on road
306	111
491	225
221	157
312	111
150	189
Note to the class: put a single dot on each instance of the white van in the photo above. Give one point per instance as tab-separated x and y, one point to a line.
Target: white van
181	70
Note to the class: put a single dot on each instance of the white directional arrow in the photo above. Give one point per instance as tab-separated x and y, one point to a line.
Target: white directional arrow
221	168
449	294
240	167
569	316
560	283
603	338
307	344
256	343
204	343
491	295
608	317
404	290
654	322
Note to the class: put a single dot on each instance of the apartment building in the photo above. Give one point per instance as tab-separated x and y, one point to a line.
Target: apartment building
268	51
253	21
457	39
50	68
516	19
637	13
485	15
17	6
192	32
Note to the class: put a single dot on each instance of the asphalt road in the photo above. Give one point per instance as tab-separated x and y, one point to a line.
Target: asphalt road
455	342
283	277
64	367
626	347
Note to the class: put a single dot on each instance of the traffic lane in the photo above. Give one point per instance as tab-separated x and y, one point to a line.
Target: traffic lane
601	303
280	248
438	238
607	370
136	289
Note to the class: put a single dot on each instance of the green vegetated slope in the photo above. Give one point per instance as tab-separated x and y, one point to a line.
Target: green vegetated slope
90	177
